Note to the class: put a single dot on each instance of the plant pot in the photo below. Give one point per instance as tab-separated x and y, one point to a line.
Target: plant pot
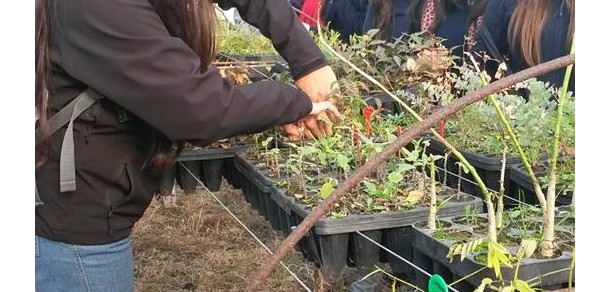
428	247
522	188
230	173
211	173
333	242
185	178
255	186
208	164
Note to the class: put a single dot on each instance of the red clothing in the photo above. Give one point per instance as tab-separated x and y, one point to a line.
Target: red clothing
310	12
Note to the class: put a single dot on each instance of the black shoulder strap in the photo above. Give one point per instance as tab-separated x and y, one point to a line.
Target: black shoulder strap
67	115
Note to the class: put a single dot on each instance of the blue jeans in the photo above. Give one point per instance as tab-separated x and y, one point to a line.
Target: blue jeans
70	267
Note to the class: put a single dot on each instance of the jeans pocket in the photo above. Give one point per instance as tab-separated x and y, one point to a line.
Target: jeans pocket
36	246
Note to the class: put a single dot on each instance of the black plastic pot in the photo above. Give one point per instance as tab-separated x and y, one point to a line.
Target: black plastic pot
522	188
207	164
211	173
431	255
185	178
334	243
487	166
255	186
388	105
230	173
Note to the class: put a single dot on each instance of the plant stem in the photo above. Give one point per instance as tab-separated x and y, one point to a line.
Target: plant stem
432	214
548	215
513	137
446	172
500	205
572	266
459	178
491	218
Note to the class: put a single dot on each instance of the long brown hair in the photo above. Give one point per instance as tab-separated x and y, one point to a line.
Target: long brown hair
526	25
191	20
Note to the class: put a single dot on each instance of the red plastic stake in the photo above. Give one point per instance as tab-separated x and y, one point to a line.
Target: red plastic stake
441	128
367	111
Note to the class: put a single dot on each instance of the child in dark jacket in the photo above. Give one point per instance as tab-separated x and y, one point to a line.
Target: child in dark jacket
455	21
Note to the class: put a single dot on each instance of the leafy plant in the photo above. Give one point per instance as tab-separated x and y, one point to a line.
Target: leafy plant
243	41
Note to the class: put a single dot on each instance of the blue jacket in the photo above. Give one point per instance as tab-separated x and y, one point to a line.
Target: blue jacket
346	16
553	42
399	17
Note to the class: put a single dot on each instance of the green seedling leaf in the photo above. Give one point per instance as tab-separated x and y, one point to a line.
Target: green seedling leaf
522	286
343	161
395	177
484	283
528	247
497	257
327	188
370	187
266	142
514	214
404	167
307	150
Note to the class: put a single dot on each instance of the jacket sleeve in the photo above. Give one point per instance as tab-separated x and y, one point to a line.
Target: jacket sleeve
122	49
276	20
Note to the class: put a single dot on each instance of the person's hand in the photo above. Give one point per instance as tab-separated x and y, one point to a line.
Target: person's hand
323	112
318	85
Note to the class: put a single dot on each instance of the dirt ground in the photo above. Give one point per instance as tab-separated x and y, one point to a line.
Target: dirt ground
198	246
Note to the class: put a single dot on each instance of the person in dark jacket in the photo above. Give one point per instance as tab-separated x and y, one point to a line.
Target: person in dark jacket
527	33
455	21
345	16
150	59
390	17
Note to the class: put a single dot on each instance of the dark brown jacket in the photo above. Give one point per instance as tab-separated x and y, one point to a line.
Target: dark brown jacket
122	49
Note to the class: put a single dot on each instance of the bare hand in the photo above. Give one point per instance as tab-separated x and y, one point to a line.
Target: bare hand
318	85
322	116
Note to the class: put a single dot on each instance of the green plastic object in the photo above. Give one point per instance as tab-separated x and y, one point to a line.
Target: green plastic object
437	284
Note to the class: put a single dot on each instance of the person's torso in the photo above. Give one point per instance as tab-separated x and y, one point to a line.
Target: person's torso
113	188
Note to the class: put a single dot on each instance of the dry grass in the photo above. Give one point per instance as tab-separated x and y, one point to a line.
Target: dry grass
198	246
